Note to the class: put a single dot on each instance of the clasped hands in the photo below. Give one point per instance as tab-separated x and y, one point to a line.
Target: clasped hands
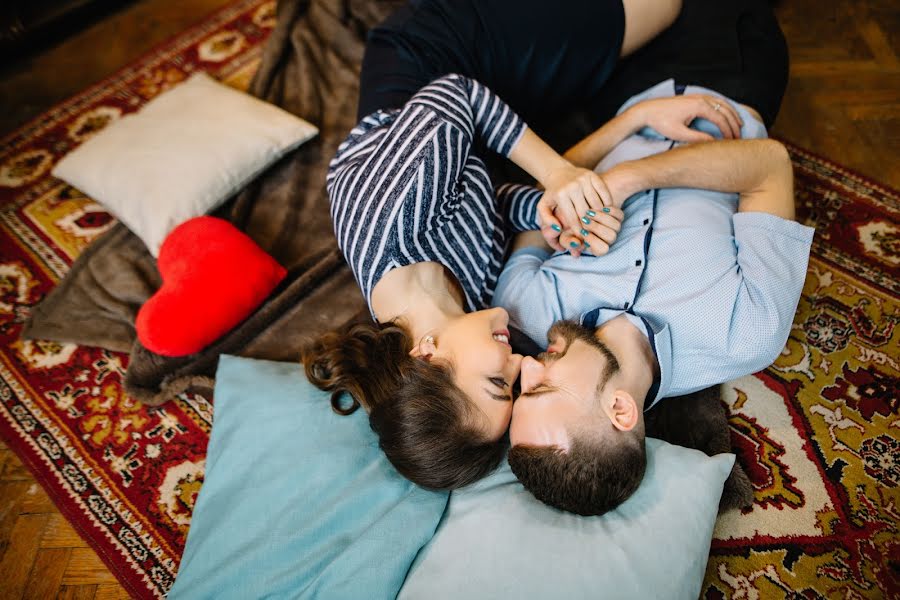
581	211
578	212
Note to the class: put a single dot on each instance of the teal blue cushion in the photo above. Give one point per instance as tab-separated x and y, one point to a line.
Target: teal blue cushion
298	502
497	541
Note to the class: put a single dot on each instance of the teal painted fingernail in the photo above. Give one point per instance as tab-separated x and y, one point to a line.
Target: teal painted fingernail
585	232
591	213
555	227
573	244
586	245
585	220
606	209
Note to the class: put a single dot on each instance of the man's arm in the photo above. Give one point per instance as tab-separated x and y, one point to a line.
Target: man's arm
759	170
591	150
669	117
771	249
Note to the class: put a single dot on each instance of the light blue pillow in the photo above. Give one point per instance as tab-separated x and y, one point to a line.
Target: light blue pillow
497	541
298	502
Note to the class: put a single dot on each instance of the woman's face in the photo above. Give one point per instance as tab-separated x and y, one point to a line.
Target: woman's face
485	368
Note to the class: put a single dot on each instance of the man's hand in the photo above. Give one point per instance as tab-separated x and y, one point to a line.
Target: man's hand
671	117
576	212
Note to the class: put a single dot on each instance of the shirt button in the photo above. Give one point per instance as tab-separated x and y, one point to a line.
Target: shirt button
646	221
638	263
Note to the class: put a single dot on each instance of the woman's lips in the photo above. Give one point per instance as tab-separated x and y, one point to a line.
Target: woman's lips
501	336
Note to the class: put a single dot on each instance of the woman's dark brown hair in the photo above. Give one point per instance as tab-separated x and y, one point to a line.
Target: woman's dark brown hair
427	427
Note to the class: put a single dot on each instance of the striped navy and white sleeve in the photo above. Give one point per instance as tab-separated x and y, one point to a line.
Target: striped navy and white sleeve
420	155
519	203
473	109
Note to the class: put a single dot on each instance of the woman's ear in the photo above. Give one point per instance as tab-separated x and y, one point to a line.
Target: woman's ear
425	349
623	411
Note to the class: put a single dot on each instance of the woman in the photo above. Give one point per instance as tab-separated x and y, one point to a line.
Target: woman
424	233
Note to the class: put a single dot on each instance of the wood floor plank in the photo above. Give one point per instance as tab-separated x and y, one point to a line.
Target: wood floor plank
11	494
111	592
36	500
852	96
884	164
60	534
5	454
825	68
14	470
875	112
77	592
47	573
21	553
86	568
878	43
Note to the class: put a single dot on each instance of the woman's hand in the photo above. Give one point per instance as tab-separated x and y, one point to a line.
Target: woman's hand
575	200
577	212
671	117
595	233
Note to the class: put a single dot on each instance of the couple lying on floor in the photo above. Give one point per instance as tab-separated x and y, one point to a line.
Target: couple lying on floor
652	261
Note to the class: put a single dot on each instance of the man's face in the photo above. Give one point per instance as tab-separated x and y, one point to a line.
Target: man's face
559	387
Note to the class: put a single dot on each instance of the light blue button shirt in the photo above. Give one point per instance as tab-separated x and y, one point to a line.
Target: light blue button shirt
714	290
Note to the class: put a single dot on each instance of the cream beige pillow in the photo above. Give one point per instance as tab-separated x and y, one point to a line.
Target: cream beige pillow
182	155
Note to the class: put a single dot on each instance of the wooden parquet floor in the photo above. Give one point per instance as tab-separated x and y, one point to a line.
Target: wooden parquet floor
41	555
843	96
842	102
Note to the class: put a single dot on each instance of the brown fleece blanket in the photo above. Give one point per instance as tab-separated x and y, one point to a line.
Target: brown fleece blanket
310	67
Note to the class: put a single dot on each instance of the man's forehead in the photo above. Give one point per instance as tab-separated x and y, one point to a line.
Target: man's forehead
540	420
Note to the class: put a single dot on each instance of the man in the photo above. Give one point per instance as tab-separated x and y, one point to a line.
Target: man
700	287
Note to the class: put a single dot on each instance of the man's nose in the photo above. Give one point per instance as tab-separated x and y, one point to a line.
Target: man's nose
532	373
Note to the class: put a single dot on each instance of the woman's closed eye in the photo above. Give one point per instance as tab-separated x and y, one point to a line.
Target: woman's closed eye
500	383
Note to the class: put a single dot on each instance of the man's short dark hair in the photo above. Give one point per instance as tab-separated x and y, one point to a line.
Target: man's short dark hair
593	477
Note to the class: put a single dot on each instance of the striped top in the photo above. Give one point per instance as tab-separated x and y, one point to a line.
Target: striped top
405	187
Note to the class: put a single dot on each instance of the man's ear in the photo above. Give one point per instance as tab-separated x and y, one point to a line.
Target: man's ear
425	349
622	410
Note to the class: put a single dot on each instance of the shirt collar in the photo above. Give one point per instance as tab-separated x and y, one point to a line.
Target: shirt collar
660	341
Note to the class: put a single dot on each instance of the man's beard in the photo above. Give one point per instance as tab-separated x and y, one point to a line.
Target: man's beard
572	331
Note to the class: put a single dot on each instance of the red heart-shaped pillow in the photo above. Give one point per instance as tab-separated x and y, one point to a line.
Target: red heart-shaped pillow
214	276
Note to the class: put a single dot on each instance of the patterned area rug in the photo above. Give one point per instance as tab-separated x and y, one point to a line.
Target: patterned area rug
817	431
